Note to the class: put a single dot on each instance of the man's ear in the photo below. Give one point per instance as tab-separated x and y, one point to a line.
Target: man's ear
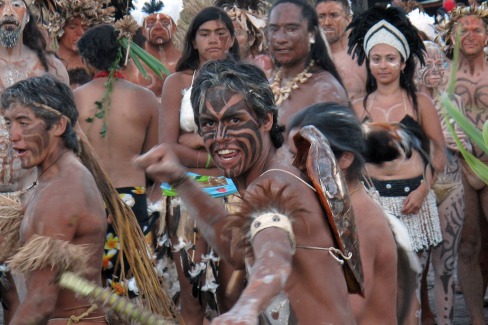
346	160
268	122
60	126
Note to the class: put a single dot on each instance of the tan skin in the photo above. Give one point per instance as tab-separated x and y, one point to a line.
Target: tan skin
82	221
333	20
471	86
158	29
212	41
68	50
314	300
377	250
17	63
388	106
132	127
288	38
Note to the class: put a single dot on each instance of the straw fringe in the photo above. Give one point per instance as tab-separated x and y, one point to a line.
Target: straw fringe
43	251
133	247
11	215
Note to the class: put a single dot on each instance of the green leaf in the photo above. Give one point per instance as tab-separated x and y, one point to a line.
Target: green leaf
469	128
89	119
153	63
99	104
100	114
485	132
476	165
138	64
103	130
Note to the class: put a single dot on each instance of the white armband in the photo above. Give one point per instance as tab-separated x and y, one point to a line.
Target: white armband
272	219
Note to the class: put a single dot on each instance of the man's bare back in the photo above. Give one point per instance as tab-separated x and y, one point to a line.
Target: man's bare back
131	121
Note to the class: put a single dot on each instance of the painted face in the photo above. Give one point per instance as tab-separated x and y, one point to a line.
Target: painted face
28	134
385	63
212	41
243	38
431	75
159	29
288	36
73	30
332	19
473	35
231	132
13	18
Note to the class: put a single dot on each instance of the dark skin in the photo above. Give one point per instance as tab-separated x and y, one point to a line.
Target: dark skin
289	42
242	149
158	29
74	213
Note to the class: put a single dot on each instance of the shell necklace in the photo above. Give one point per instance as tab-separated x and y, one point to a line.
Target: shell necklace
283	93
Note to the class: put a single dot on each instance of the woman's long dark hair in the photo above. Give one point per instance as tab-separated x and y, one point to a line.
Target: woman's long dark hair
33	39
190	59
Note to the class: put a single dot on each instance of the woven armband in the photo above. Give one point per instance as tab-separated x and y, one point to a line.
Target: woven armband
276	220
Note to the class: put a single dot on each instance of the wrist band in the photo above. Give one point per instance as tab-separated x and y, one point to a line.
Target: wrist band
177	182
209	159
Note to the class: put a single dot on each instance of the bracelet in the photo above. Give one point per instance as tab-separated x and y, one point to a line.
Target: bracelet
209	159
180	180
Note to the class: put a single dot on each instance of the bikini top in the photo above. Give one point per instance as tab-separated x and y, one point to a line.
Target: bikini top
187	118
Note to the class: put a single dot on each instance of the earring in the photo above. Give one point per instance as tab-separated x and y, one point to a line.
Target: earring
312	40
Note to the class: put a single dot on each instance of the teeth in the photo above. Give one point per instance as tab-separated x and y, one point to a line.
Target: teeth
225	152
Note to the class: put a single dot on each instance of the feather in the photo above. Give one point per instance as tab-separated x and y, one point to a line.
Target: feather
11	216
152	6
388	141
47	252
264	198
362	23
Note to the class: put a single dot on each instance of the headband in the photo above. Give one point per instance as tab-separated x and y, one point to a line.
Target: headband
385	33
50	109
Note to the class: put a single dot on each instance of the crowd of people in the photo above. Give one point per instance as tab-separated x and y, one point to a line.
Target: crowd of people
293	165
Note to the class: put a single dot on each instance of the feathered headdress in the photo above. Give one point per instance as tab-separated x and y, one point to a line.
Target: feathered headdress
250	15
380	25
448	29
145	8
422	22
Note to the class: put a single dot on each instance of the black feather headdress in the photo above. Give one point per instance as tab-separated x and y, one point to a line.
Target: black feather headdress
361	24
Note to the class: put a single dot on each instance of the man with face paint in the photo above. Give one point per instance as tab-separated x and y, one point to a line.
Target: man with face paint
432	80
22	55
69	21
64	221
158	29
237	118
472	87
334	16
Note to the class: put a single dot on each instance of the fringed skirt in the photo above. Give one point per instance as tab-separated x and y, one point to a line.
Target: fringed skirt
424	227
